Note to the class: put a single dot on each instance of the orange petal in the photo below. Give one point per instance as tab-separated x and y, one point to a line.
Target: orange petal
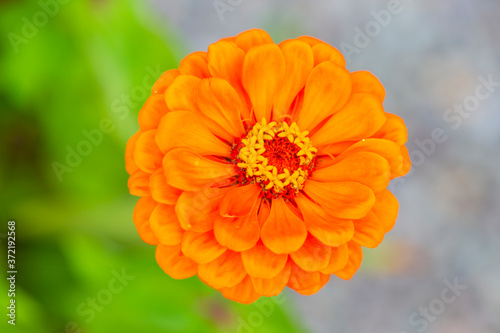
355	258
130	165
405	168
360	118
174	263
225	61
238	234
244	292
323	279
160	190
275	285
141	215
263	72
164	81
224	272
165	225
152	112
264	211
147	155
201	246
262	263
197	211
386	209
283	231
184	129
298	64
251	38
325	52
367	168
394	129
313	255
181	95
219	102
328	88
239	200
195	64
192	172
369	231
138	184
310	40
385	148
300	279
329	230
366	82
338	259
347	200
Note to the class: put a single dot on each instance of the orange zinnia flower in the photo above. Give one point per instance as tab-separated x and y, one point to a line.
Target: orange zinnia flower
261	166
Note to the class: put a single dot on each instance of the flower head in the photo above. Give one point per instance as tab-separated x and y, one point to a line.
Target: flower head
261	166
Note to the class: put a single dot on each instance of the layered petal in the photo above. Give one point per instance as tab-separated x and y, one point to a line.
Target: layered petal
324	52
339	257
329	230
165	225
252	38
260	262
298	64
174	263
312	256
195	64
189	171
360	118
327	89
263	72
181	94
346	200
385	148
160	190
367	168
152	112
197	211
244	292
275	285
142	213
184	129
366	82
386	208
239	200
224	272
164	81
369	231
238	233
202	247
355	258
218	101
283	231
303	280
138	184
147	155
394	129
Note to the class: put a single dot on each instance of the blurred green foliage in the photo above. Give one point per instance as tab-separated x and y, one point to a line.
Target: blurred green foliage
75	231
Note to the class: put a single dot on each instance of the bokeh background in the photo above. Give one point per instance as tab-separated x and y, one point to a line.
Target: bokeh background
86	64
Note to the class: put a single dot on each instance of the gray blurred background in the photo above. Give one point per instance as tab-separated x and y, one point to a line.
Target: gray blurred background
433	57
